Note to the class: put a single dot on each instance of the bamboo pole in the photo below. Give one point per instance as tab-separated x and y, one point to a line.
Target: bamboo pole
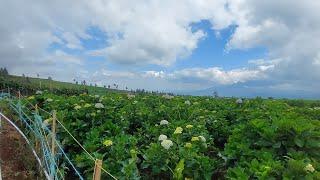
54	124
97	170
35	138
53	138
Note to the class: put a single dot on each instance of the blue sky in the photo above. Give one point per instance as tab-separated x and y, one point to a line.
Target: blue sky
210	52
241	47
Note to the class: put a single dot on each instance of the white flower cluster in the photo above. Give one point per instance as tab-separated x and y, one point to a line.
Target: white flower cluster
77	107
39	92
164	122
166	144
130	96
203	139
162	137
167	96
49	100
309	168
187	102
99	105
239	101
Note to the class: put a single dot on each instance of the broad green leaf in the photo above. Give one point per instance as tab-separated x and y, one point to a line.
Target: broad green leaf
299	142
178	175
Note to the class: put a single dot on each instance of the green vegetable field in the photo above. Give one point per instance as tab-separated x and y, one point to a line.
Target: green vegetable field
185	137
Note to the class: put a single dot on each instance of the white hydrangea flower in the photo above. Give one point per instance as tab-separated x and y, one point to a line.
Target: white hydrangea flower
96	96
130	96
187	102
239	101
203	139
164	122
99	105
39	92
166	144
49	100
309	168
166	96
162	137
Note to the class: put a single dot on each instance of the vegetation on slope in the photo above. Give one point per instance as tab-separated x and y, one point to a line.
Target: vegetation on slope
165	137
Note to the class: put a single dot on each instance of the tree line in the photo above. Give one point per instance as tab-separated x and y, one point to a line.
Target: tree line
4	72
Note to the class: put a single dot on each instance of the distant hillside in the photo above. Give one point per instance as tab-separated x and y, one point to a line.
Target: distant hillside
39	83
247	90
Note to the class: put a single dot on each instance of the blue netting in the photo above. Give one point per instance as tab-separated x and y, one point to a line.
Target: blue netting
35	127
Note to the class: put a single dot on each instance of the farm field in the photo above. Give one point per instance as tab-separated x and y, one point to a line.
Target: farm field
186	137
30	85
160	90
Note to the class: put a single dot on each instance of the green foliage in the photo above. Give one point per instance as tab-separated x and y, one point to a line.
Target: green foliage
259	139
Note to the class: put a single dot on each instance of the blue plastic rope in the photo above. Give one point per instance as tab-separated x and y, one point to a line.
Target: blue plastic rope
36	127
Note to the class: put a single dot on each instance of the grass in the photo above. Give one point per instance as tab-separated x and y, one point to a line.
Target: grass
52	84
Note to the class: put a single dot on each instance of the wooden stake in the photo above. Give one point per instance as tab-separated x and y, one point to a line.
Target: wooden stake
35	138
54	124
97	170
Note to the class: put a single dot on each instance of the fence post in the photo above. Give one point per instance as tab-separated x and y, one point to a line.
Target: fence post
97	170
53	144
54	124
19	104
35	138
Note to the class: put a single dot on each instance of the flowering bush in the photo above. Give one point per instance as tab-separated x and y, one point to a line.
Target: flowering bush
99	105
212	138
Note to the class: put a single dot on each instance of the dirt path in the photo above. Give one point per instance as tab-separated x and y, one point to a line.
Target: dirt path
16	159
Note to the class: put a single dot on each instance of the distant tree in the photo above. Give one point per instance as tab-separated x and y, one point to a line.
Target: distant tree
95	85
77	82
104	86
38	75
23	75
109	86
2	72
215	94
28	80
5	72
50	78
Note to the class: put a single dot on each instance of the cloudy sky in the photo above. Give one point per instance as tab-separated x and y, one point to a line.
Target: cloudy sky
238	46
